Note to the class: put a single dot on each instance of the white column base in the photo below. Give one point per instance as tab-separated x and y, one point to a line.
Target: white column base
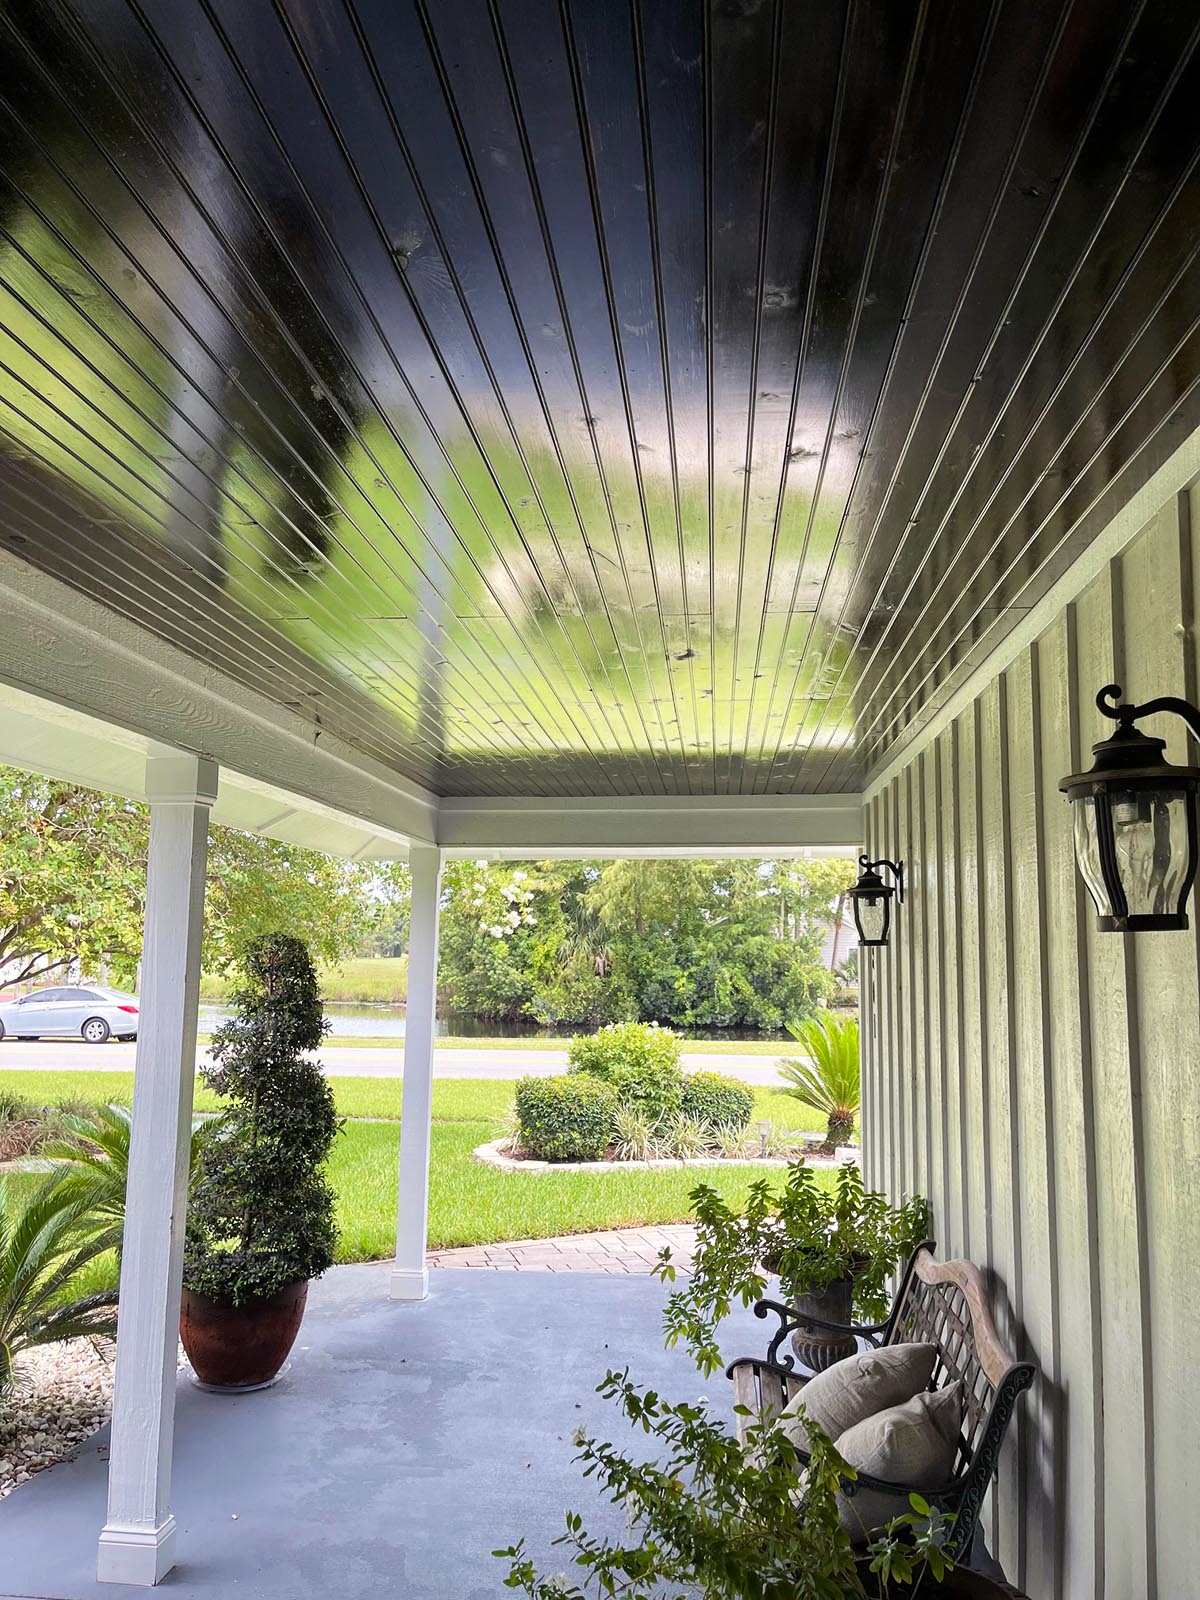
136	1555
407	1284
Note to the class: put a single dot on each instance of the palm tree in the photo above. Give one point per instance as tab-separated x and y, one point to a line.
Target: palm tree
829	1079
92	1158
44	1243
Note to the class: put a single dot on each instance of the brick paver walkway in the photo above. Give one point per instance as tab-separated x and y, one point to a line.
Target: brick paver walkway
615	1250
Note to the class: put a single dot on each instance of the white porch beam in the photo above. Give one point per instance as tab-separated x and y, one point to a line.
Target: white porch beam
652	825
43	736
410	1276
61	646
137	1544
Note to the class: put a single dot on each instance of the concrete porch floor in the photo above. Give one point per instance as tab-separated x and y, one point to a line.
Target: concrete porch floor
405	1443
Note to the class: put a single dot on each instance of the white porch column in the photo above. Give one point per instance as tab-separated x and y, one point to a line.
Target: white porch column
137	1544
410	1276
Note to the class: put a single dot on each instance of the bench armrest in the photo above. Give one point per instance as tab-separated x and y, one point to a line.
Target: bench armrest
794	1379
790	1319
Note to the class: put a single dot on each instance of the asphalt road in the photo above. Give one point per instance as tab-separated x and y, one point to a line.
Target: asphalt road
63	1055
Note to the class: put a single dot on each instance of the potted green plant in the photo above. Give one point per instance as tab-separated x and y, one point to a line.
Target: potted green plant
715	1520
260	1221
832	1250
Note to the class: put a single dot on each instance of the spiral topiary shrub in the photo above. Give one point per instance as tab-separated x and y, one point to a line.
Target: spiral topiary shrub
641	1062
569	1118
716	1101
261	1211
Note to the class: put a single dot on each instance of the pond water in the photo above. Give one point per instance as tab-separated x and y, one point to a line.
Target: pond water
387	1022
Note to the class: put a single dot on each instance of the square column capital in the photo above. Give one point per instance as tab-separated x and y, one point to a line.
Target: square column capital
183	780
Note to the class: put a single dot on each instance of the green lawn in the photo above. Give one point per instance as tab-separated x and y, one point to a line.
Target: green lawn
699	1047
474	1204
365	980
454	1099
468	1203
702	1047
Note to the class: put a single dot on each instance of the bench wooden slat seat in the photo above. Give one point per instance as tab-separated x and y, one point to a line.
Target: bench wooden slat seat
943	1303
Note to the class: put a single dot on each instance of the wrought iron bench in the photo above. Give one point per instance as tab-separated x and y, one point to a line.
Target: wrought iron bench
943	1303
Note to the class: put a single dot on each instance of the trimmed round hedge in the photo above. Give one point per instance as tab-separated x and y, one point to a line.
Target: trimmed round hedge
717	1101
641	1062
569	1118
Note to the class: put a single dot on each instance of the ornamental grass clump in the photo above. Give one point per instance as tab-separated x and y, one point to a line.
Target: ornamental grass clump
262	1213
635	1137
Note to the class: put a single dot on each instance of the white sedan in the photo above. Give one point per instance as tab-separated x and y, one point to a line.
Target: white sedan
93	1014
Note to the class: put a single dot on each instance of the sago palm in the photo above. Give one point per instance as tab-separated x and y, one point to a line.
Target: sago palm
45	1242
829	1080
91	1157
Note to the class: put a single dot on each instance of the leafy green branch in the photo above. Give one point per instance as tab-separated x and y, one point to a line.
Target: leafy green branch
805	1234
718	1520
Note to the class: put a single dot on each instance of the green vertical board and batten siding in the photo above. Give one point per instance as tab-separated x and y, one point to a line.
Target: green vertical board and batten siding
1040	1081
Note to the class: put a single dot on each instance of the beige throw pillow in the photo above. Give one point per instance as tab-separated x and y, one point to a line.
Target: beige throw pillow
914	1444
856	1388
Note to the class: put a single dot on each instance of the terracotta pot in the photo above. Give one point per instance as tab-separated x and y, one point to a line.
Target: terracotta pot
961	1584
819	1348
240	1347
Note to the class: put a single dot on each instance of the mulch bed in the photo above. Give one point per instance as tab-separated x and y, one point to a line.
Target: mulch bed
21	1136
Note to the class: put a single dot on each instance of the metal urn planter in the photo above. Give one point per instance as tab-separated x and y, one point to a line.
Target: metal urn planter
959	1584
240	1347
817	1347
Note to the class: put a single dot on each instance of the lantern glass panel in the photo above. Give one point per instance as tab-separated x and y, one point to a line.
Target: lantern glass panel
872	918
1087	854
1150	833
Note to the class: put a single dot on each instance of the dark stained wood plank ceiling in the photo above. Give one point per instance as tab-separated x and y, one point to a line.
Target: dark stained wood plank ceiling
594	396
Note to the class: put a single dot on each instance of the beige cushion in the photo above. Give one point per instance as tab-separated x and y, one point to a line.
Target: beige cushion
856	1388
913	1444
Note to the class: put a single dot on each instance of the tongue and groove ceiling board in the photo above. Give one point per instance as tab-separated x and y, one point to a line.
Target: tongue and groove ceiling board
591	397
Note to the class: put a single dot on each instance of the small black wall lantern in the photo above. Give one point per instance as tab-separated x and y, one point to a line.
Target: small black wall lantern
1136	826
872	899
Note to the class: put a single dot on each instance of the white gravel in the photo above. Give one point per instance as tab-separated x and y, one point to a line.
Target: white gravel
61	1397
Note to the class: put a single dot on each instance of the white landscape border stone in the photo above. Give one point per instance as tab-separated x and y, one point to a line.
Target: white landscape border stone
62	1395
493	1155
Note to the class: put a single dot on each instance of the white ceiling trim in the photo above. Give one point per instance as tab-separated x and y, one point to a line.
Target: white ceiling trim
652	825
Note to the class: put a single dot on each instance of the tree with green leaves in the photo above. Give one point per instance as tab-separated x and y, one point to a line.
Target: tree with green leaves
815	890
73	886
688	943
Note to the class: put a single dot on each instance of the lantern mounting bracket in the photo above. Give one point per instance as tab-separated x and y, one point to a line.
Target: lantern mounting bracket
896	868
1110	705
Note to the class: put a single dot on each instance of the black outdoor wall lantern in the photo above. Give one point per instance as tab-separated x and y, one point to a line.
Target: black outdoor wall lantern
872	899
1136	823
